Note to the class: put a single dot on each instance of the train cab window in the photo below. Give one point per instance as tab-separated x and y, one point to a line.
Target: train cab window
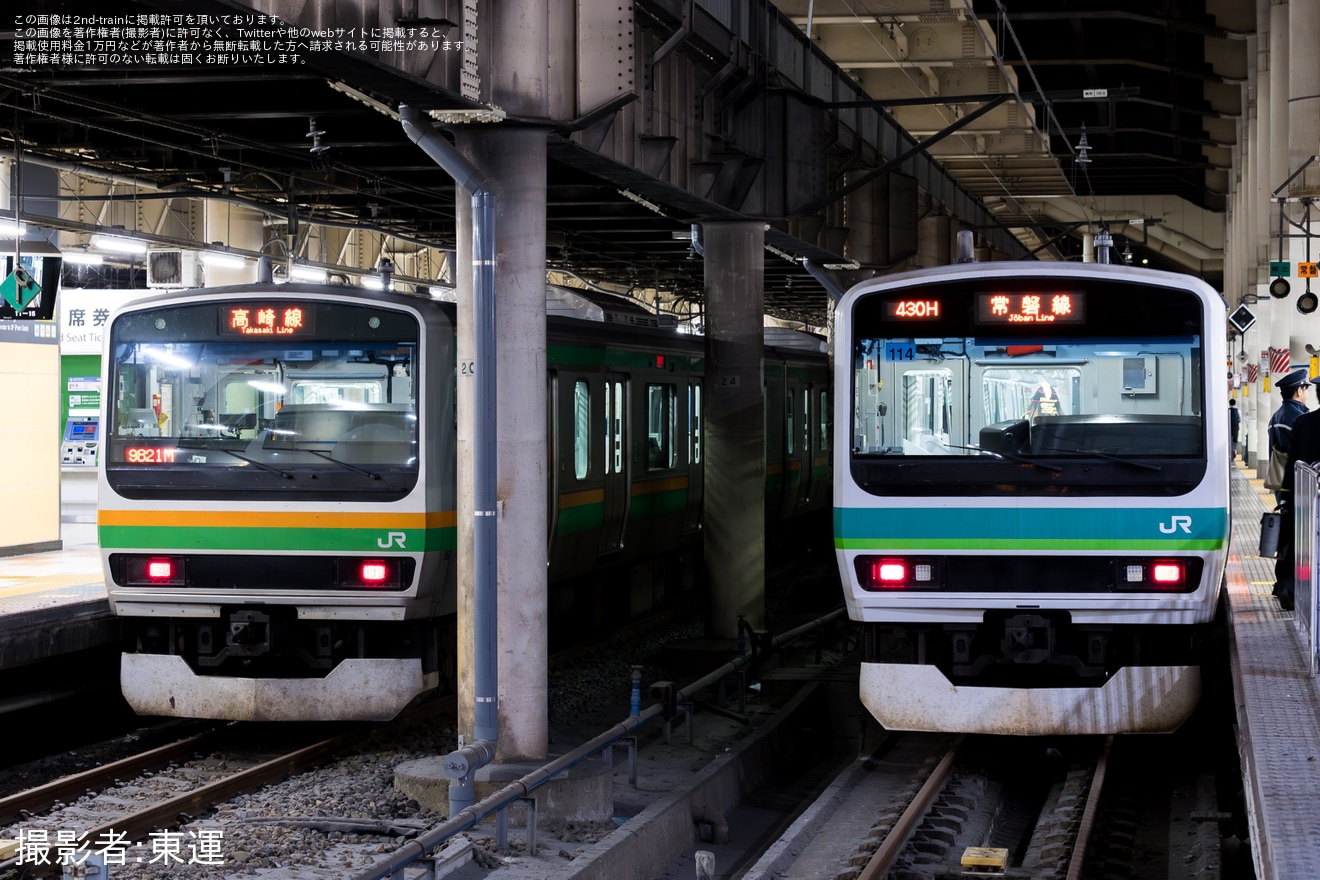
201	412
694	424
581	428
661	421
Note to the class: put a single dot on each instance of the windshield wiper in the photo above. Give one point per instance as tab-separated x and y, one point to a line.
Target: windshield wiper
1105	455
1009	456
342	464
251	461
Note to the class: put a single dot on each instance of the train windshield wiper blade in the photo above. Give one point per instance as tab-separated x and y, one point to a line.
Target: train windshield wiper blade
1022	459
1106	456
251	461
342	464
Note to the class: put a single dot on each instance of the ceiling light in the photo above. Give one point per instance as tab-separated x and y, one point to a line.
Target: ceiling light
373	282
309	273
216	260
82	259
12	227
119	245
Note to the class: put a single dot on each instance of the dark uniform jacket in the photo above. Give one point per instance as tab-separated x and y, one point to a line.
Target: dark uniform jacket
1280	427
1304	445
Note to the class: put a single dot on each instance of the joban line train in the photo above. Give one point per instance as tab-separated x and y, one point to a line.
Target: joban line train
1031	494
277	488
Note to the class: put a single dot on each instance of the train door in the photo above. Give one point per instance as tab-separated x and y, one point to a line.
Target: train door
617	495
930	416
696	486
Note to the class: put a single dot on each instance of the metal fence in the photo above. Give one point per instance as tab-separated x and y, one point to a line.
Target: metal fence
1306	540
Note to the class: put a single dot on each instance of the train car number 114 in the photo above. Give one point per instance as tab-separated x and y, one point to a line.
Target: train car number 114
900	351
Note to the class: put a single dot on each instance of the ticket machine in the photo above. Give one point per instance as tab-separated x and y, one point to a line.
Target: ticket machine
81	442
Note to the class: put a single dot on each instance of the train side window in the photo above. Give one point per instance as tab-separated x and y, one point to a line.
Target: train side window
823	427
581	428
806	420
660	426
614	409
694	424
788	414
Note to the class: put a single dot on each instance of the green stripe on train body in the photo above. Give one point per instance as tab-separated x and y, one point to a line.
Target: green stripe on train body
1031	528
185	538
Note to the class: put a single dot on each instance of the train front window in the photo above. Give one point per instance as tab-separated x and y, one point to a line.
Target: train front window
198	411
946	391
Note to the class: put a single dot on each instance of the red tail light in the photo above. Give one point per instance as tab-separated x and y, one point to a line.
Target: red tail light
374	572
1166	573
154	571
888	572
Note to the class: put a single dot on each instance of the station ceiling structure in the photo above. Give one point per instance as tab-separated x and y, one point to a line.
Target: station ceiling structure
1055	116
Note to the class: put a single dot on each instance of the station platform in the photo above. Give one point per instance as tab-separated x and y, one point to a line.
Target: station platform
54	603
1277	698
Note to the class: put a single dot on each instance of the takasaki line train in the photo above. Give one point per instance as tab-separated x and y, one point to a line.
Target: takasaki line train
277	488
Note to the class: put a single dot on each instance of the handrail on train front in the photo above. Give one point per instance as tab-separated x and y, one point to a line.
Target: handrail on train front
1306	540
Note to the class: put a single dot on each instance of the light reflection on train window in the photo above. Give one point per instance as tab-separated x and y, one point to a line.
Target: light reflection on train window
581	428
661	421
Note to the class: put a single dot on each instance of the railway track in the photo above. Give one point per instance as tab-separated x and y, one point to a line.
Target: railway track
923	807
111	808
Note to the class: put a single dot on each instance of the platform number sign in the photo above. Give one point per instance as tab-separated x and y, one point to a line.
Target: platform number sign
1242	318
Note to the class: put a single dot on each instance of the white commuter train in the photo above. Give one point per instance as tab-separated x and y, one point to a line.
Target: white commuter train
1031	493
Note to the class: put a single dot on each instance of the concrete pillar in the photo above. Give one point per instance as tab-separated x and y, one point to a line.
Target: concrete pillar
514	160
514	70
734	507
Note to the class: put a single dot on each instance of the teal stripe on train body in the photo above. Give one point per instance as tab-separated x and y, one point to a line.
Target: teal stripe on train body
1026	528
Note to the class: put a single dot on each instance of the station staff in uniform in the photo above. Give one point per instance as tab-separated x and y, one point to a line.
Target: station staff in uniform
1279	432
1301	438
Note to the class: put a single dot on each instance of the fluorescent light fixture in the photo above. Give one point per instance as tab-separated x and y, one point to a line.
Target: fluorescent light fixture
12	227
373	282
308	273
119	245
82	259
218	260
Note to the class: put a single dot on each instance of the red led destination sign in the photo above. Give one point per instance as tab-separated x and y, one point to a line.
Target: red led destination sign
1030	308
150	454
913	309
265	320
